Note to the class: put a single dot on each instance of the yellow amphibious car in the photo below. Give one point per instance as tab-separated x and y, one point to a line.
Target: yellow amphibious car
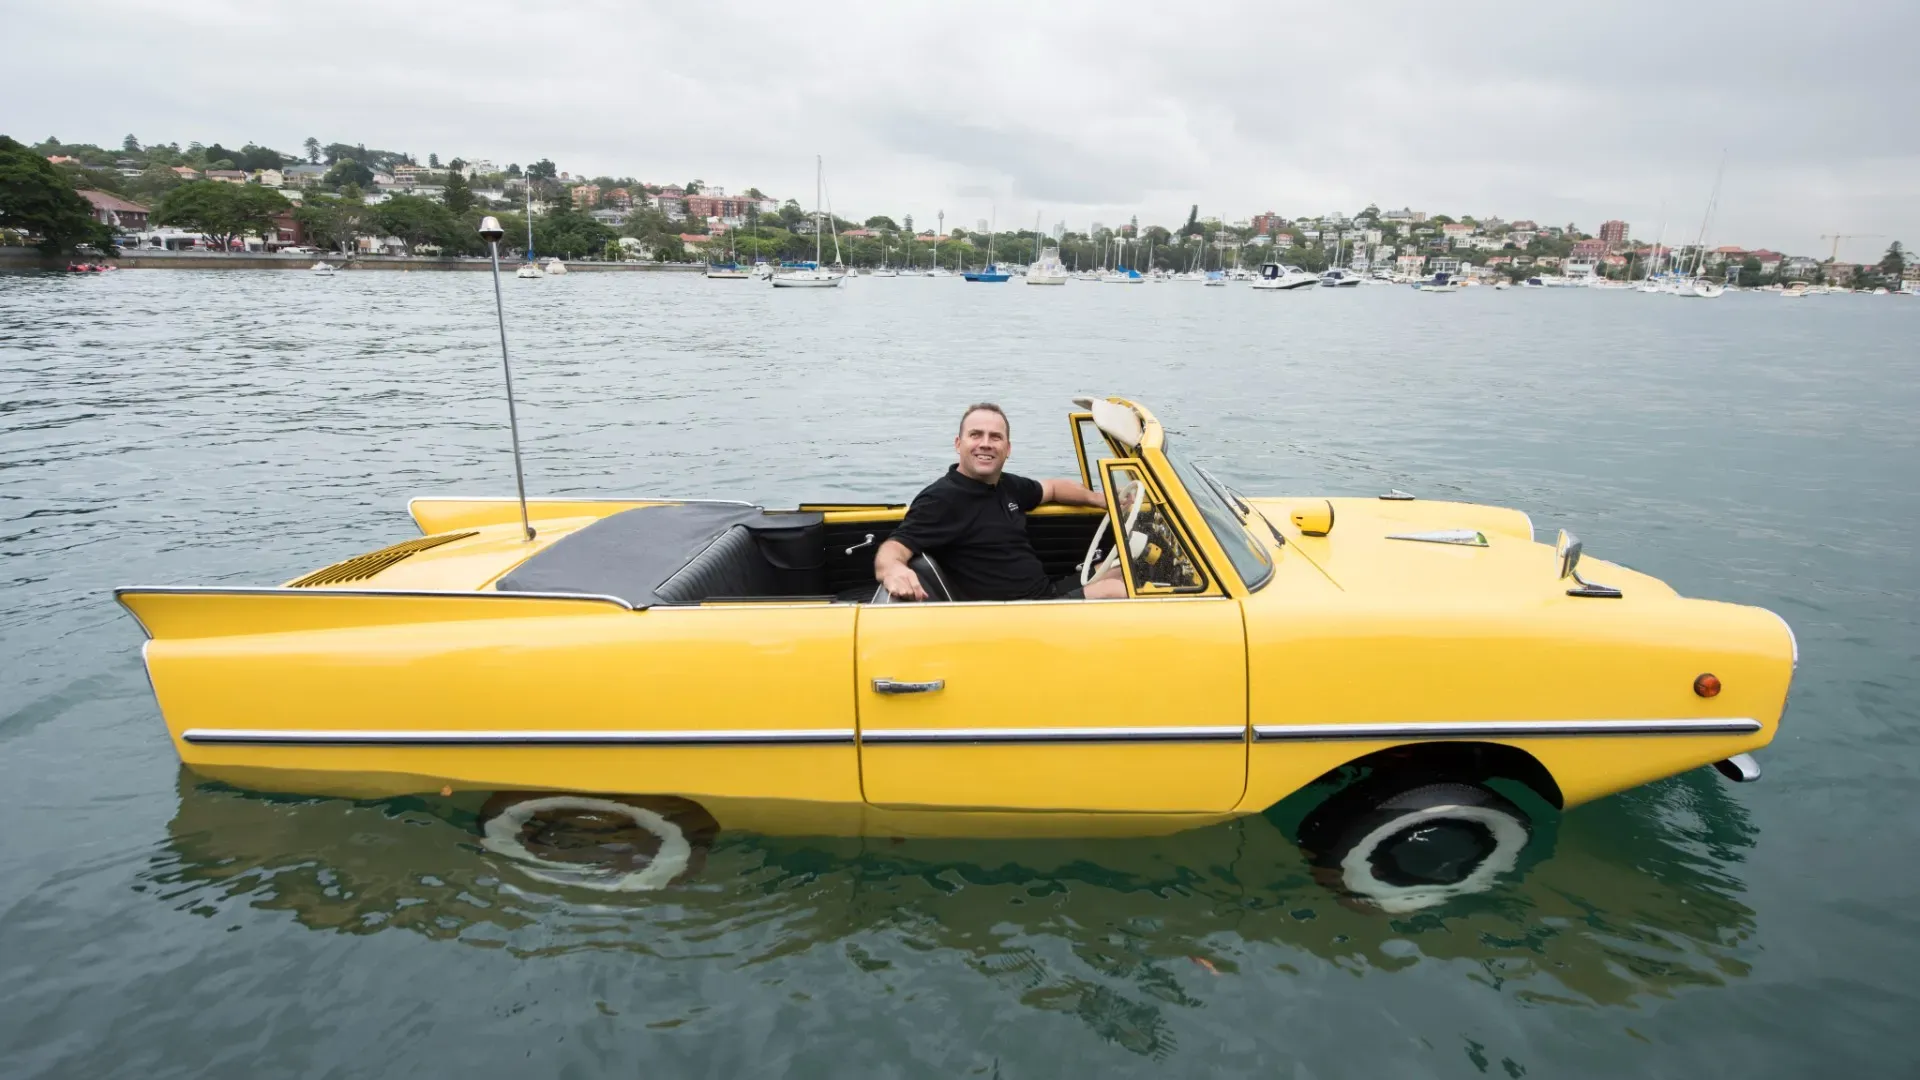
689	665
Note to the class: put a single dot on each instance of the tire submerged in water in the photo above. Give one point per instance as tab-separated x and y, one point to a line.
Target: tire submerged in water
608	843
1402	848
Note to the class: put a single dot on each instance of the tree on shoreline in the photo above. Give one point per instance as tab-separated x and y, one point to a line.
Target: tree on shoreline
221	213
36	199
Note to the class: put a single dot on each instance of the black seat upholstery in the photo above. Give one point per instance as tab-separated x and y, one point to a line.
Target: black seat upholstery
930	580
731	566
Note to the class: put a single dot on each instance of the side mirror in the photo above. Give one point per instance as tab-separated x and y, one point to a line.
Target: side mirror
1567	549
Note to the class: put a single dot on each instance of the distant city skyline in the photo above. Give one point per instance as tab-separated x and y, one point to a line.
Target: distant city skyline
1598	113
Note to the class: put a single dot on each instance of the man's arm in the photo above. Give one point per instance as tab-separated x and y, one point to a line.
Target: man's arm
1070	493
891	570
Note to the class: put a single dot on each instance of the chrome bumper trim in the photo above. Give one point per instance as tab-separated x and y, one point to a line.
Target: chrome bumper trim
290	737
1504	729
1028	735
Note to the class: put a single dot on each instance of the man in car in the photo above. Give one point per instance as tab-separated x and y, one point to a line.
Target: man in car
973	521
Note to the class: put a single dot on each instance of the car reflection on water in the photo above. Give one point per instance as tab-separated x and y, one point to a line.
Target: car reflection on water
1636	895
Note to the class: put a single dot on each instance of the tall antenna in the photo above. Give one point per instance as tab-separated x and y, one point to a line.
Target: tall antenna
491	232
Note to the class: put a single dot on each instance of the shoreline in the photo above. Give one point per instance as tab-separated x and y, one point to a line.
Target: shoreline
20	259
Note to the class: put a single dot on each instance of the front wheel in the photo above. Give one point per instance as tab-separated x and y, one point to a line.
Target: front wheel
608	843
1400	849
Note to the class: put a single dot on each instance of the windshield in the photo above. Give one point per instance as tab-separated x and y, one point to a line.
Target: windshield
1249	559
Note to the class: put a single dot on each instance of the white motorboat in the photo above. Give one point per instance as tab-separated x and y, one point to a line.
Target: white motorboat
1705	290
1047	270
1338	278
727	272
1499	285
1439	282
762	270
813	275
322	269
939	271
1283	276
1797	290
529	271
883	272
555	267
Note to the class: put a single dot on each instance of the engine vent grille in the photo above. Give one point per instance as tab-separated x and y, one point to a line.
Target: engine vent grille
361	567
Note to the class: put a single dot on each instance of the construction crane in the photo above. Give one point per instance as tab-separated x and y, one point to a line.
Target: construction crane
1834	255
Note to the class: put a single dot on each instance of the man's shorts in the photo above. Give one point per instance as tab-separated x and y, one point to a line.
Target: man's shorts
1069	588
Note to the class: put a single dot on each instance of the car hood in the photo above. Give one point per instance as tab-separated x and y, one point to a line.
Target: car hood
1360	556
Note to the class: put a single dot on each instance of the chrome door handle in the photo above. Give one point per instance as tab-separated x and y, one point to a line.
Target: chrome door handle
889	686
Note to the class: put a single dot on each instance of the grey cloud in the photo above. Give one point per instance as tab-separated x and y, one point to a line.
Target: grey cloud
1082	110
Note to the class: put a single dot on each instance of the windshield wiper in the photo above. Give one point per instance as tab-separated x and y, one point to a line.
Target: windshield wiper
1227	494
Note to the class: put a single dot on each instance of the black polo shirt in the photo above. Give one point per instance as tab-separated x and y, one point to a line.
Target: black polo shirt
978	534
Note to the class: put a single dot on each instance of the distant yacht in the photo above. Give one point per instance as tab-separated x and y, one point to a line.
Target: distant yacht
812	275
1338	278
321	269
1439	282
1047	270
529	271
555	267
1275	275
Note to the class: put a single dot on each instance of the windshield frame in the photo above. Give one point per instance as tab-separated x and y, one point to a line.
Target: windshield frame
1214	503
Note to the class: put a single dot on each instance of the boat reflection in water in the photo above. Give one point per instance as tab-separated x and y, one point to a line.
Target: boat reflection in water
1634	896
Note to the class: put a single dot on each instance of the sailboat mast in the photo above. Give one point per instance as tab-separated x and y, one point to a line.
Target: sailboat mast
816	209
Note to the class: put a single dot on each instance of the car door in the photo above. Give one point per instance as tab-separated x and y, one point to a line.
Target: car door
1105	705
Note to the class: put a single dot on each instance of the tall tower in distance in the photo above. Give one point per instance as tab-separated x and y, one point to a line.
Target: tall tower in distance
943	225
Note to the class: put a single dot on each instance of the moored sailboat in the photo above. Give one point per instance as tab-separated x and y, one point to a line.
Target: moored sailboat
812	275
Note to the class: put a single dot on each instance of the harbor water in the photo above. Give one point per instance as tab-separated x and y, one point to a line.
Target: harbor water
242	427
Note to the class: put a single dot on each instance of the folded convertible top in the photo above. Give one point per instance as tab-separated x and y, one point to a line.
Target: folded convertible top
632	553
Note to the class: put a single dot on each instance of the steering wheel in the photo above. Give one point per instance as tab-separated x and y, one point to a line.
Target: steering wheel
1133	491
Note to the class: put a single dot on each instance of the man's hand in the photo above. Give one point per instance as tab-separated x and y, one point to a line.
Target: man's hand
902	583
891	569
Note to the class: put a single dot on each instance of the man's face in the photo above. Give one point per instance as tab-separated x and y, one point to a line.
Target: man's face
983	445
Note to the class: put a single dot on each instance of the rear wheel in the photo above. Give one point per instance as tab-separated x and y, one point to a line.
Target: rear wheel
609	843
1402	848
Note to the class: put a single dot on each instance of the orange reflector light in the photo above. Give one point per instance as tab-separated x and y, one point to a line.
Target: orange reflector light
1707	685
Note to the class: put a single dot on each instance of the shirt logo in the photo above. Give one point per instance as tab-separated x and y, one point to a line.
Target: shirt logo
1013	506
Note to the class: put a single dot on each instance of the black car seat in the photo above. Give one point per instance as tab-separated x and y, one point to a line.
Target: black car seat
930	580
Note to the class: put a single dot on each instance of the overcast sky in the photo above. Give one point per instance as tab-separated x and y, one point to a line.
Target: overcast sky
1075	111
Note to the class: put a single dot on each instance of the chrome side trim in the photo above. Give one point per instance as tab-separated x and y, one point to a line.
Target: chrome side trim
1509	729
1530	533
274	590
370	737
1025	735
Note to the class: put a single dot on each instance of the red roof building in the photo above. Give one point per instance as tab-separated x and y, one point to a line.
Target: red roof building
116	211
